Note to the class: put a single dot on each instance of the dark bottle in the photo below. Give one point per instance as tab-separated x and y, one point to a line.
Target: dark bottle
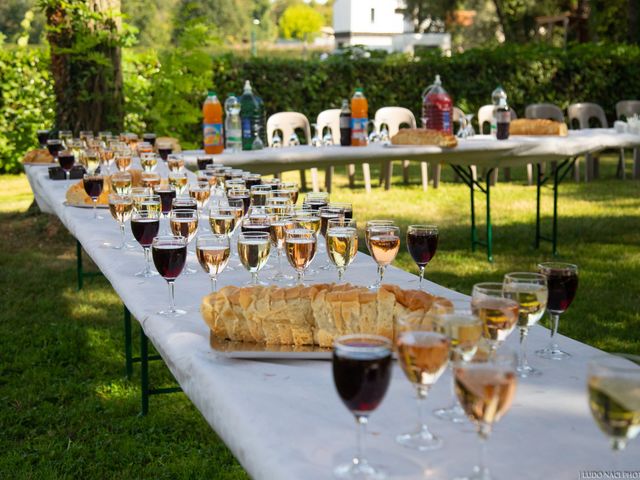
249	113
345	124
503	120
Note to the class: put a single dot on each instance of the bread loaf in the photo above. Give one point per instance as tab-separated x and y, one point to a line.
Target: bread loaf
529	126
313	315
422	136
40	155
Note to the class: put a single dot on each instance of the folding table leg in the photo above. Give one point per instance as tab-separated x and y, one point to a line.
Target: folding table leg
351	169
144	373
127	343
79	264
488	206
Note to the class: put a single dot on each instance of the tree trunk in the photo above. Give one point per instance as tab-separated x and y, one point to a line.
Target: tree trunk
634	22
502	20
88	90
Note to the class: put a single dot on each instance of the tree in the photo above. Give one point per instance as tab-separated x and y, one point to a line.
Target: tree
153	19
301	22
428	15
230	19
12	13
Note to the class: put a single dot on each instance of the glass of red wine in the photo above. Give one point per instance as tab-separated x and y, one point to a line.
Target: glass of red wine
562	283
170	256
54	145
361	373
167	194
66	159
43	136
422	243
93	184
145	226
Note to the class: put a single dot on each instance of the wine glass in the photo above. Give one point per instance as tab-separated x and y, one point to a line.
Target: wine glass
146	202
423	354
222	220
187	203
465	333
276	140
148	161
164	150
121	183
145	226
293	140
315	200
361	373
55	145
293	189
530	291
252	179
254	248
123	161
342	243
315	140
367	232
240	194
43	136
256	221
422	243
93	185
179	181
347	208
562	282
121	207
485	387
200	191
498	313
384	244
614	397
90	160
279	205
327	139
279	225
257	144
150	180
258	194
170	256
213	253
300	244
150	138
184	222
85	136
66	159
175	163
167	194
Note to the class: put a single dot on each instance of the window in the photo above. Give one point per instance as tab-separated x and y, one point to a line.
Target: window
373	15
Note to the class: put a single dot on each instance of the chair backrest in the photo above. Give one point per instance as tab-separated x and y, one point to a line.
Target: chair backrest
485	114
581	113
627	108
544	111
393	117
287	122
458	115
330	119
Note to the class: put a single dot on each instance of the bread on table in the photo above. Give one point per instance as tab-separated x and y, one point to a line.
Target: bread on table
530	126
423	136
312	315
40	155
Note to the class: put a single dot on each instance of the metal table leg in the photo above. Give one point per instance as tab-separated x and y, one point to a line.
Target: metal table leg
127	343
558	174
80	273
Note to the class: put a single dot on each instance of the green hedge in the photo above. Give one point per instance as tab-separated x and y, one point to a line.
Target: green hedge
534	73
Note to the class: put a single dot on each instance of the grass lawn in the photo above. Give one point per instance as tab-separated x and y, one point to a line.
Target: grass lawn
68	412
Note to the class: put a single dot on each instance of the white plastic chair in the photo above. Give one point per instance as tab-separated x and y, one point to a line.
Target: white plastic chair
393	118
581	114
485	115
331	119
624	110
287	123
545	111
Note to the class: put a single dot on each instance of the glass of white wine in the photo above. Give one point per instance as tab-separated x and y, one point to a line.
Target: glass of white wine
342	243
179	181
150	180
614	397
465	333
148	161
279	226
485	387
121	207
367	230
498	313
213	253
254	248
423	353
300	245
384	244
531	293
121	183
184	221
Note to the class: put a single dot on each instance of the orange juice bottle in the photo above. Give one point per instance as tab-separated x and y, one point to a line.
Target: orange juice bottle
359	119
212	124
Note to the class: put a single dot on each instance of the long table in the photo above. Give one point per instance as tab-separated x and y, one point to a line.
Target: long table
482	151
283	419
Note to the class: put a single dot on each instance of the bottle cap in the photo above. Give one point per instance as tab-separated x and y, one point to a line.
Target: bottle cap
437	81
212	93
247	86
359	90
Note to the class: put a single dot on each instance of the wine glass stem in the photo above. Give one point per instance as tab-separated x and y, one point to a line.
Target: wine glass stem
382	269
172	304
279	257
483	434
300	277
122	234
254	278
214	283
147	259
523	362
421	276
555	320
95	210
422	412
361	430
340	274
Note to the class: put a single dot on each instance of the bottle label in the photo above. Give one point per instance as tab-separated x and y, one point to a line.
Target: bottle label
345	121
246	127
359	129
212	133
503	116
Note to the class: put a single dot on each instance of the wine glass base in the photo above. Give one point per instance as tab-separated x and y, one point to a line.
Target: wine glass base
359	471
326	266
553	354
259	282
189	271
454	414
528	371
172	313
147	274
477	474
281	278
421	440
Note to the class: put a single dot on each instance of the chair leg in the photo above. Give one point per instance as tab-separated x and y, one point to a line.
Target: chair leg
636	164
351	171
576	171
314	180
328	178
621	171
507	174
303	181
366	173
424	176
494	177
474	172
588	167
596	166
437	173
529	174
388	174
405	171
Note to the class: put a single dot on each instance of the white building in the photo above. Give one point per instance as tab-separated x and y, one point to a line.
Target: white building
376	24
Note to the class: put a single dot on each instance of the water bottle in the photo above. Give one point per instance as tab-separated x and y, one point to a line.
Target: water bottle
437	108
232	124
497	96
248	107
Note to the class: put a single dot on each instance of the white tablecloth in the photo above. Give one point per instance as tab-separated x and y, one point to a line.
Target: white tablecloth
283	419
480	150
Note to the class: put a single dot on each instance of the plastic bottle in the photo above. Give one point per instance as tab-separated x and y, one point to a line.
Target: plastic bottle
345	124
212	124
232	124
503	119
437	108
359	119
248	108
496	96
260	119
